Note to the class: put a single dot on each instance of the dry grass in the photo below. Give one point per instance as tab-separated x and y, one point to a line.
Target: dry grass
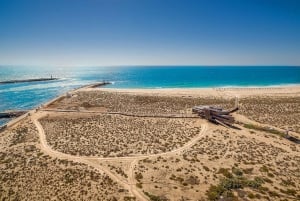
136	104
246	164
115	135
241	156
282	112
26	173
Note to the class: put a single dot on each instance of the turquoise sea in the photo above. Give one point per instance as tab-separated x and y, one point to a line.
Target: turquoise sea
30	95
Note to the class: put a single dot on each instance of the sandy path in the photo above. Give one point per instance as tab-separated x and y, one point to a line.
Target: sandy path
85	160
94	160
132	181
45	144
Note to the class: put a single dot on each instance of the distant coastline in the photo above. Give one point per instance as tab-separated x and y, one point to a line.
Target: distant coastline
34	92
224	92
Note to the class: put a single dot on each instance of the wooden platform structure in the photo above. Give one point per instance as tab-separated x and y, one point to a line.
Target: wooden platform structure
216	115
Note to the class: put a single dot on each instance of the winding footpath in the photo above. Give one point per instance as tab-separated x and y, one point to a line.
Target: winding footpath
94	161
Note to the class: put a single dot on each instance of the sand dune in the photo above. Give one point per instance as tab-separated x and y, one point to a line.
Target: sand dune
99	155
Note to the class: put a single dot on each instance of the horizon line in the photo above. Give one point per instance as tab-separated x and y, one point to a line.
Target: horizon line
154	65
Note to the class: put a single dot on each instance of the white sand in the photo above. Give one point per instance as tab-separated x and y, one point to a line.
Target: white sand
212	92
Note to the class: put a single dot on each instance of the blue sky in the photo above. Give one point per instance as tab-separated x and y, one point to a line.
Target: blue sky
150	32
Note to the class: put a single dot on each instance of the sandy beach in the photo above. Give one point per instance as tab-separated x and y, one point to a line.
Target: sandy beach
146	144
215	92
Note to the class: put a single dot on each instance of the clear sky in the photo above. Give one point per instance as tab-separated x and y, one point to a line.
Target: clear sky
150	32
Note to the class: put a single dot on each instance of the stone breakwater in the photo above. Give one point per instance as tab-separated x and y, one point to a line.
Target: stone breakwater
28	80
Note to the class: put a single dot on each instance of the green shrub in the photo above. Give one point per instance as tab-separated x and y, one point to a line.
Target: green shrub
251	196
256	183
273	194
237	171
206	168
128	198
225	172
192	180
267	180
232	183
214	192
265	129
292	192
139	185
264	169
138	176
258	196
236	181
288	183
263	189
155	197
248	170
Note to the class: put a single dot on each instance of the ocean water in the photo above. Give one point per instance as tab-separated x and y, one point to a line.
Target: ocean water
30	95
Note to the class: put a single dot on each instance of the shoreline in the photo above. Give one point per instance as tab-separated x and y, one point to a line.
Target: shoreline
273	87
211	87
14	121
226	93
206	92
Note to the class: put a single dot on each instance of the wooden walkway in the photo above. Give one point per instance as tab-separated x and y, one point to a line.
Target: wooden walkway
125	114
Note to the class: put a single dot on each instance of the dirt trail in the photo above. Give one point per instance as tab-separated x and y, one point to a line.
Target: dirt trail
94	161
132	181
189	144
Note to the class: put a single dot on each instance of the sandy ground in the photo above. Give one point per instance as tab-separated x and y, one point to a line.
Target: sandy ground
175	158
209	92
